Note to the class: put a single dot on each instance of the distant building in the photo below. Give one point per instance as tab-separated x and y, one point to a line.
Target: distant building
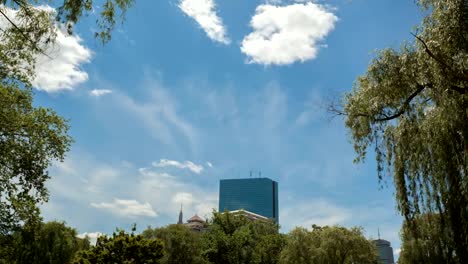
385	251
250	215
180	216
195	223
255	195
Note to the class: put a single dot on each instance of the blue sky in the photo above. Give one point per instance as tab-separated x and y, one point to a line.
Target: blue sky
190	92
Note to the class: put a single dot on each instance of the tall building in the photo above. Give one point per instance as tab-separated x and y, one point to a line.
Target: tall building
385	251
180	216
256	195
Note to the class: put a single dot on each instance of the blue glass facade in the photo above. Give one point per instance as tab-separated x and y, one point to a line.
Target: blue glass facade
257	195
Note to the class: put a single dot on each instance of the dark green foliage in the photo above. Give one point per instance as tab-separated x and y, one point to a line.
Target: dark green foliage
47	243
181	245
411	106
30	139
122	248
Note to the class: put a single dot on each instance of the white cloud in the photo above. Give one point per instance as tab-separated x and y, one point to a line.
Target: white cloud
127	208
209	164
167	192
99	92
286	34
397	251
60	68
204	12
162	163
91	236
85	183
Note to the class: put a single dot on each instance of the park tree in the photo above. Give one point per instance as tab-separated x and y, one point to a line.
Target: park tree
123	248
430	245
328	245
233	238
411	107
31	138
181	245
48	243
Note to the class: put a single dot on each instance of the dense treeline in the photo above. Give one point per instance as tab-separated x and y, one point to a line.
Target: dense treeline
227	239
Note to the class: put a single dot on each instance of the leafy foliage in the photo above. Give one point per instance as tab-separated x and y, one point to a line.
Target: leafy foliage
412	106
122	248
48	243
181	245
328	245
430	246
30	139
236	239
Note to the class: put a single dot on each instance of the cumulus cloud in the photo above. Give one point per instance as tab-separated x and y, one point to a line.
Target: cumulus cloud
99	92
127	208
168	191
204	13
60	69
286	34
162	163
91	236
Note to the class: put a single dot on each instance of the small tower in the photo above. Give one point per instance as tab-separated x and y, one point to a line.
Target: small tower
180	216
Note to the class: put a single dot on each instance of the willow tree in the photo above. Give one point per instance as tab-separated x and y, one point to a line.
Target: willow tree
411	107
430	246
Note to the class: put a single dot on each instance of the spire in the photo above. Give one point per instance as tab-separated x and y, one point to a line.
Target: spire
180	216
378	232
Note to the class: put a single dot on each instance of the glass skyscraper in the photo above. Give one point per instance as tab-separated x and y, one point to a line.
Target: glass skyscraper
257	195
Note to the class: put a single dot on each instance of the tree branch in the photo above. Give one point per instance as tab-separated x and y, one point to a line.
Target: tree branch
440	61
34	44
338	112
404	106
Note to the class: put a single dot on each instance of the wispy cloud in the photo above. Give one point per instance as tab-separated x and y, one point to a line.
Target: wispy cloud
127	208
205	14
286	34
99	92
162	163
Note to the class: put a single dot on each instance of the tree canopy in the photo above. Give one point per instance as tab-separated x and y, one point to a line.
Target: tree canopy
47	243
181	245
123	248
411	106
328	245
233	238
430	245
31	138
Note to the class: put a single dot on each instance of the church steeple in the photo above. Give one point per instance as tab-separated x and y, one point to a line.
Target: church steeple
180	216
